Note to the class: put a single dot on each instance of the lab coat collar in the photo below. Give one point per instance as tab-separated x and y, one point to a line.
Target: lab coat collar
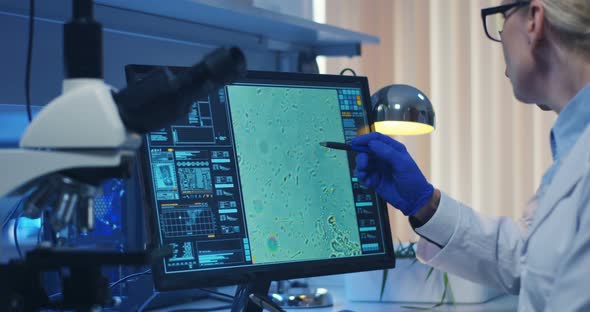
570	124
568	174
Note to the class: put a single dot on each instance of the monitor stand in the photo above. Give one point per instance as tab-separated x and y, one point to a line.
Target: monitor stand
298	295
242	302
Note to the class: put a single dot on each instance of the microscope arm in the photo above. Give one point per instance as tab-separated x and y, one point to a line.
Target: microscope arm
85	116
22	168
79	129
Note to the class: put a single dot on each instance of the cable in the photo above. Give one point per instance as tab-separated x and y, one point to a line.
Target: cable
14	231
11	214
217	293
347	69
223	307
29	58
147	302
125	278
151	298
149	271
40	232
225	297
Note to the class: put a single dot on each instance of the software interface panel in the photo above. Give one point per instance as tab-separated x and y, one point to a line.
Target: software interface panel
242	180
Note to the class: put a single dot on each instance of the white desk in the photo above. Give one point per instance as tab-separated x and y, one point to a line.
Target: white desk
503	303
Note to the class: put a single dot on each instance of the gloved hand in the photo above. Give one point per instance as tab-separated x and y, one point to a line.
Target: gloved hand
390	170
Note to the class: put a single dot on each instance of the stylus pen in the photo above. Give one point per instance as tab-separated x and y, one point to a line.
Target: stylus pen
345	147
265	303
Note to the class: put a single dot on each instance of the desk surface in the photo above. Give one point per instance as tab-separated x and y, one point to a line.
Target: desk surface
503	303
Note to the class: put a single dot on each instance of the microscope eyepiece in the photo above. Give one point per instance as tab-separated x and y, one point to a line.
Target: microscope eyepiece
161	97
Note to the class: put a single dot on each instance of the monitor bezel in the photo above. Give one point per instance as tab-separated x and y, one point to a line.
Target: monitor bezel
273	271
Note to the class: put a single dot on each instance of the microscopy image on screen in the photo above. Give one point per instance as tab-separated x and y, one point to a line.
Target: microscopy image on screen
297	194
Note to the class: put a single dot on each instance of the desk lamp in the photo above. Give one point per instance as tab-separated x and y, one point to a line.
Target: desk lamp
402	110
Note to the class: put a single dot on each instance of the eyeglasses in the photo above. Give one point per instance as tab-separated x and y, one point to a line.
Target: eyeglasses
495	17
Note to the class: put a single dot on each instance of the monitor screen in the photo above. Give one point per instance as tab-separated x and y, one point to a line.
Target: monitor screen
240	188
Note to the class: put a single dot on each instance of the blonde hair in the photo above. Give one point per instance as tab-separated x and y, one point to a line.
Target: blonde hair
571	21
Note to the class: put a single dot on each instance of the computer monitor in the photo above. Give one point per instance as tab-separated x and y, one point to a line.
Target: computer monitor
242	191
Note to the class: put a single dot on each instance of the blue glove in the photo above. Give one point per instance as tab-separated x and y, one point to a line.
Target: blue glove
390	170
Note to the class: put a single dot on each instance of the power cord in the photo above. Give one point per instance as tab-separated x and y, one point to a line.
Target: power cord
218	308
113	284
149	271
217	293
130	276
224	297
14	234
40	232
347	69
11	214
29	58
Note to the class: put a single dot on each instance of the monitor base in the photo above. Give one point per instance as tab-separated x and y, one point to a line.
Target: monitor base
299	295
242	302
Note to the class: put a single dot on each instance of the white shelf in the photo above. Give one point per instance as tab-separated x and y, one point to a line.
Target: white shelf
202	21
243	18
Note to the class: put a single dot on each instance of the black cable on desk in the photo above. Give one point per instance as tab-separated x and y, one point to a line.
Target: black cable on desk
224	307
10	215
217	293
126	278
226	297
29	58
14	234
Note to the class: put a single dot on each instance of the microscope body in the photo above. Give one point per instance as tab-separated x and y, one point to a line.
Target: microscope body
79	129
76	141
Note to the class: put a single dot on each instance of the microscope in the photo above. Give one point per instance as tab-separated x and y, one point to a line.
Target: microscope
84	136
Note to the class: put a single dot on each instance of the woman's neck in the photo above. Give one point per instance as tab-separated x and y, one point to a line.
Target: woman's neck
565	78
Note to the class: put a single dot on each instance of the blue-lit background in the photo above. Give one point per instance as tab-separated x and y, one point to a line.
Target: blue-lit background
108	209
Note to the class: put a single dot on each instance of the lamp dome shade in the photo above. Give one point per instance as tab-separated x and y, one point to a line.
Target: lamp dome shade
402	110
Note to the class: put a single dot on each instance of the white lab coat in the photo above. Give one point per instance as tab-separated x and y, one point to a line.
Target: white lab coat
546	263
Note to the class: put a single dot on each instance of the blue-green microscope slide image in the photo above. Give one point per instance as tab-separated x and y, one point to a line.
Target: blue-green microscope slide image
297	194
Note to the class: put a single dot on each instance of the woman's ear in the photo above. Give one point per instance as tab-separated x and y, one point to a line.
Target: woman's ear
535	23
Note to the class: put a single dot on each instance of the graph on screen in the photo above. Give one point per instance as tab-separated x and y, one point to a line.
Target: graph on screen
179	221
